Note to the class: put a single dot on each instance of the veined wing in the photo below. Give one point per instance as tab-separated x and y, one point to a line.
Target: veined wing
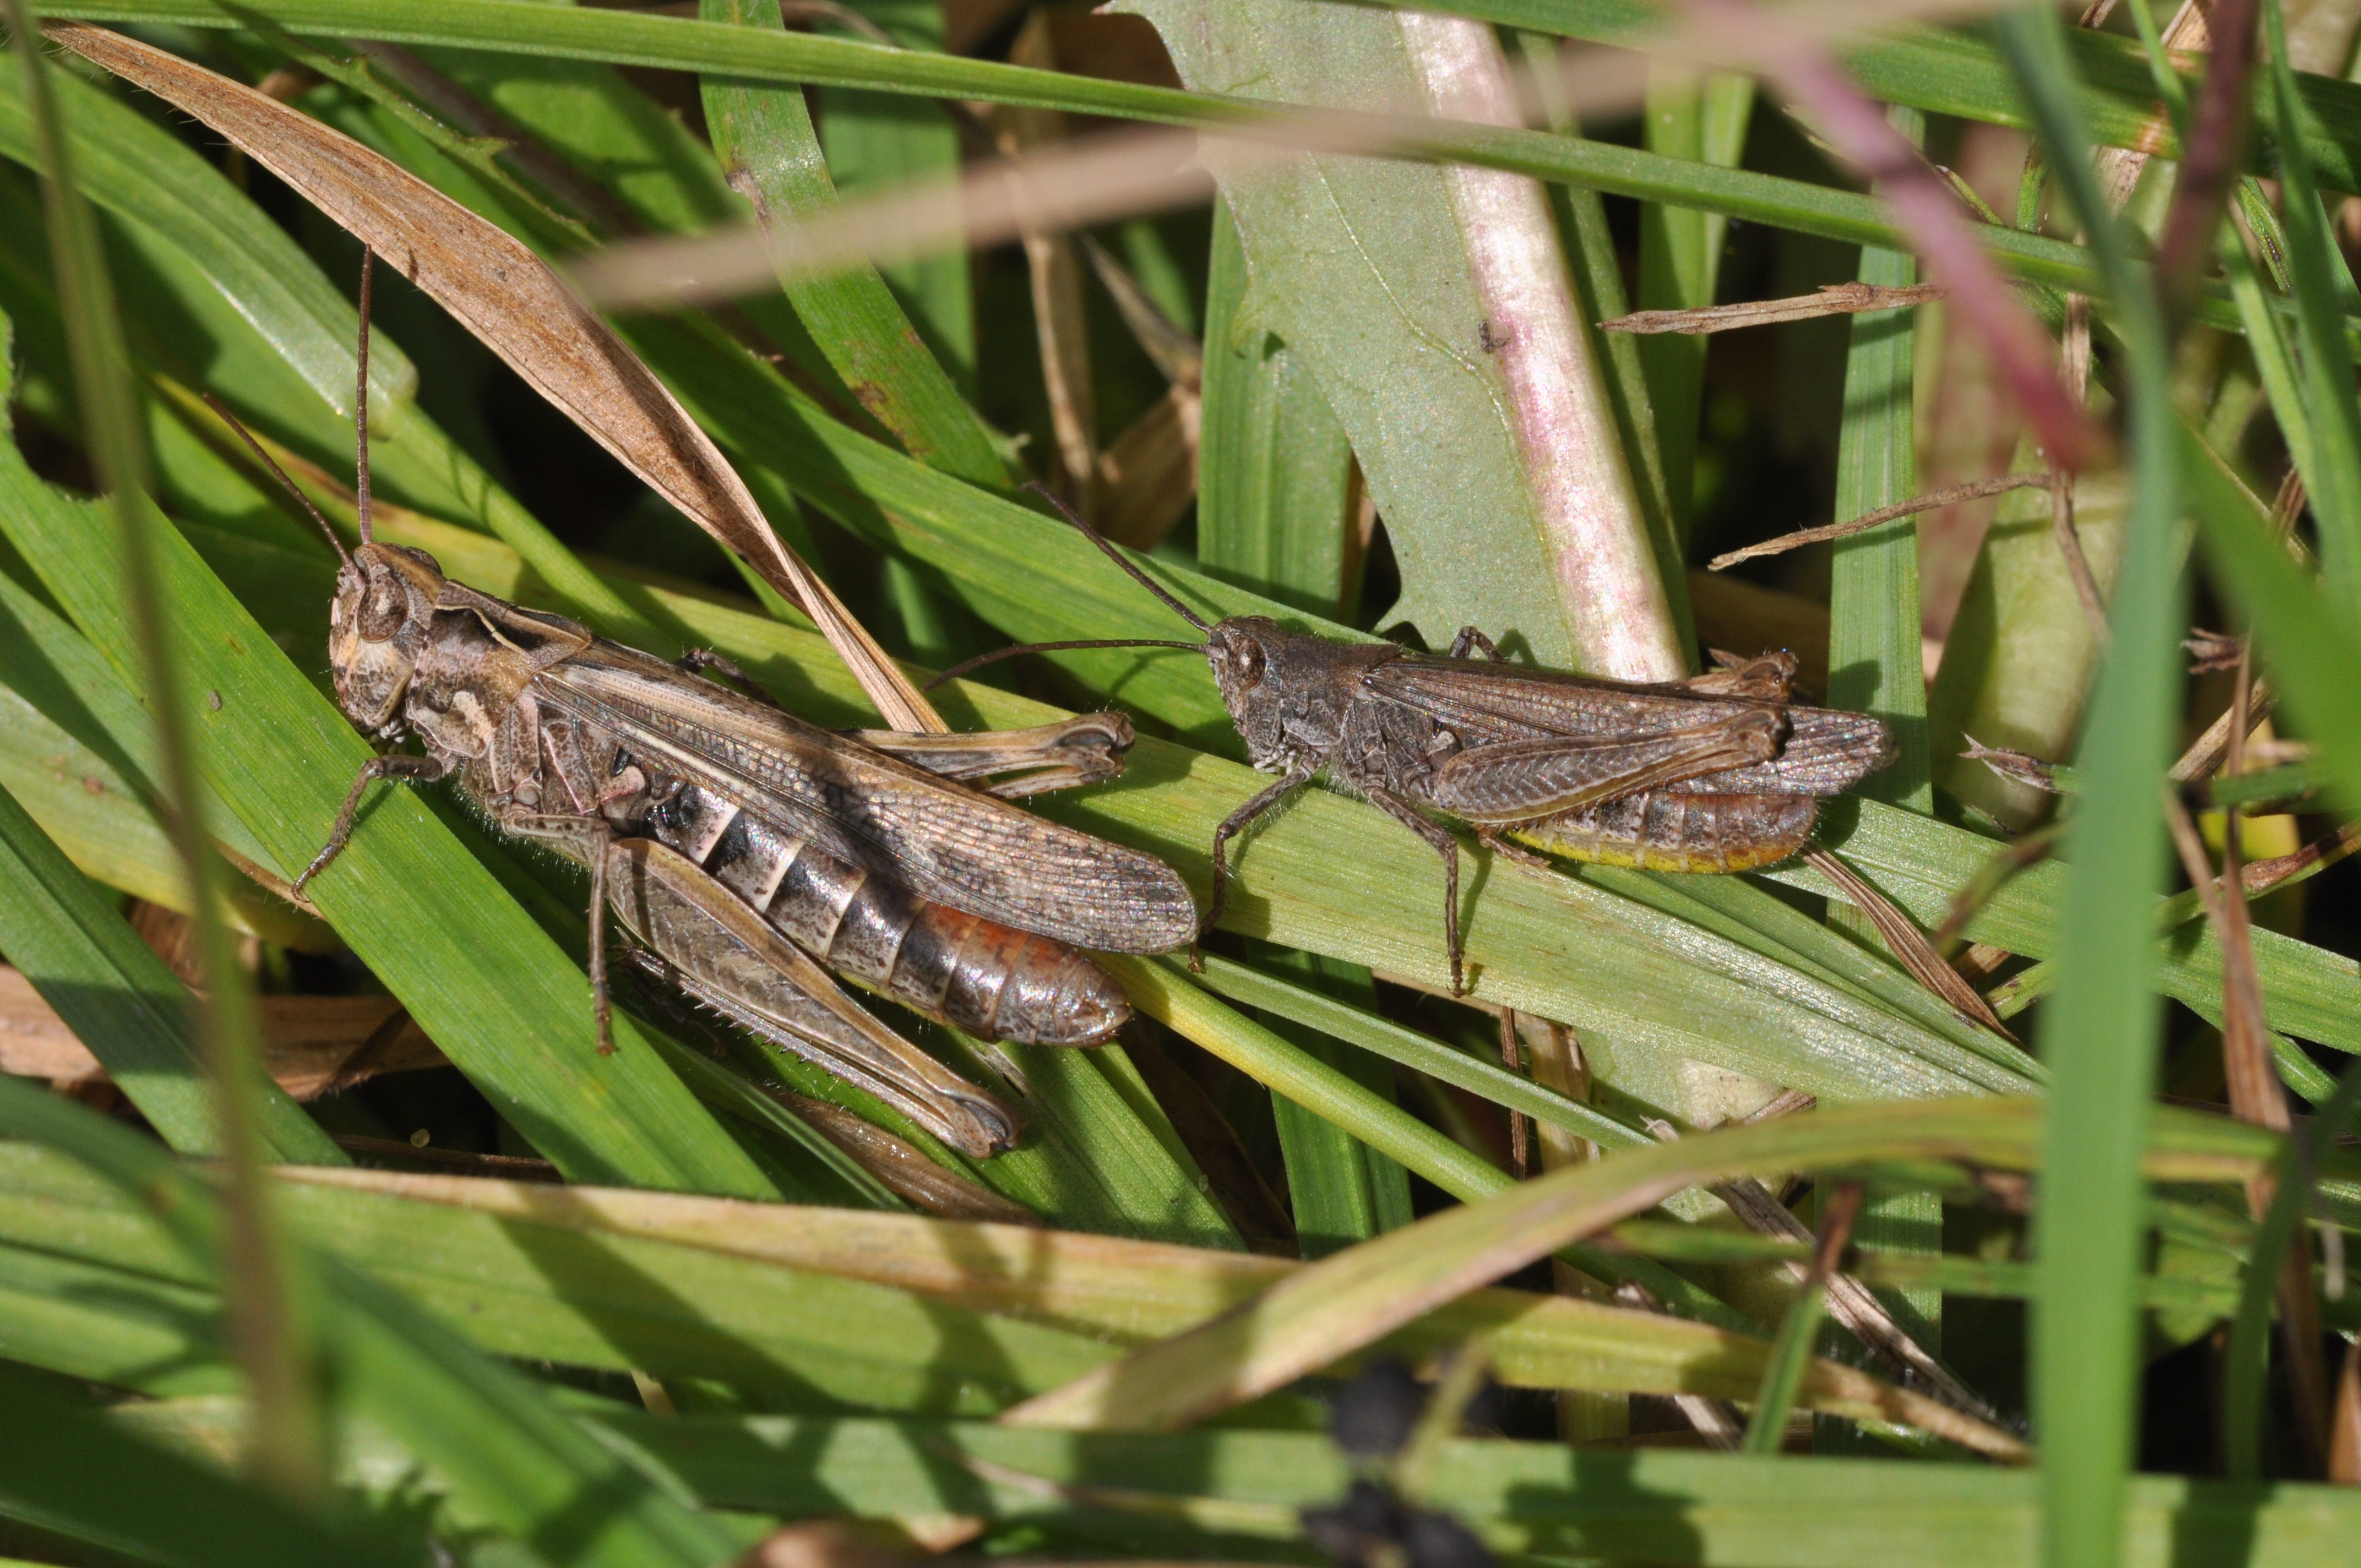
936	838
1827	751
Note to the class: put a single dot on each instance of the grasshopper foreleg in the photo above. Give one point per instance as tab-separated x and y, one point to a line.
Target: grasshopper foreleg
1298	776
416	769
588	836
1444	844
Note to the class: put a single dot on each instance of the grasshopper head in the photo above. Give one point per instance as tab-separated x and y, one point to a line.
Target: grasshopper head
376	624
1246	652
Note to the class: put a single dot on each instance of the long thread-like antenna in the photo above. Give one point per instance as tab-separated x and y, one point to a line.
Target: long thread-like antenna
1120	559
272	463
361	405
966	666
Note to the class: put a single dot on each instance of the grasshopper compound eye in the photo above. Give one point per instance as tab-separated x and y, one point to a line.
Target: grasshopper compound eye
384	607
1247	660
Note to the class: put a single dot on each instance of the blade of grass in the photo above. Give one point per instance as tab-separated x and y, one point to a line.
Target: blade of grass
286	1447
1874	665
1766	1428
1274	470
2244	1374
1346	1300
770	155
117	995
67	1466
2322	285
783	1305
1157	990
1547	1499
522	1464
1696	121
2100	1030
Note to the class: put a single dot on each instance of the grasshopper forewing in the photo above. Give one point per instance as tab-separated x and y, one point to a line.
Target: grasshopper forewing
1722	772
750	853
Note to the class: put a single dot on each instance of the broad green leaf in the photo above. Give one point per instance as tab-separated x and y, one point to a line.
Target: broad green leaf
1396	286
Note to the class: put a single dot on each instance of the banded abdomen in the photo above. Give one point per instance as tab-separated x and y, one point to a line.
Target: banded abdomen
1664	831
989	980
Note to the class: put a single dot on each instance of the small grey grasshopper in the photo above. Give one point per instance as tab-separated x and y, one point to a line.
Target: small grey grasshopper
749	852
1721	773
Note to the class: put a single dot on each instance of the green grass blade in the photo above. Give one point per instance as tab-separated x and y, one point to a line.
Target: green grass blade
2100	1030
1874	666
1791	1354
1341	1191
116	996
67	1466
2321	287
2310	642
80	758
272	1340
877	139
1274	470
1696	121
513	1456
1362	1025
1157	989
2244	1386
771	154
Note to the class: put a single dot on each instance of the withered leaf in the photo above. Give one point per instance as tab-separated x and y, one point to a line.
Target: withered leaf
504	294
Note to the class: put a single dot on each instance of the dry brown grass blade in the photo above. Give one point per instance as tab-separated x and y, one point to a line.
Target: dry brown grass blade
1053	268
1933	501
1847	298
307	1041
503	293
1149	476
1909	945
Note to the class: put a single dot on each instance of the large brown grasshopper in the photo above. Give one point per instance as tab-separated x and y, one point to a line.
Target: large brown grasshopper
1721	773
750	852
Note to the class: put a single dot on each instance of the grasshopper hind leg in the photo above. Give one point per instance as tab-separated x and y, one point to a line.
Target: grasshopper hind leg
585	840
1440	841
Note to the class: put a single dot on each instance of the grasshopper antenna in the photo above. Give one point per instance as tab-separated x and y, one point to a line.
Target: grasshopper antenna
1120	559
361	405
981	659
280	474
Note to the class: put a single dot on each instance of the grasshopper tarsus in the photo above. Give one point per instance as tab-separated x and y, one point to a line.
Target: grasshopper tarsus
410	769
1472	637
697	661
